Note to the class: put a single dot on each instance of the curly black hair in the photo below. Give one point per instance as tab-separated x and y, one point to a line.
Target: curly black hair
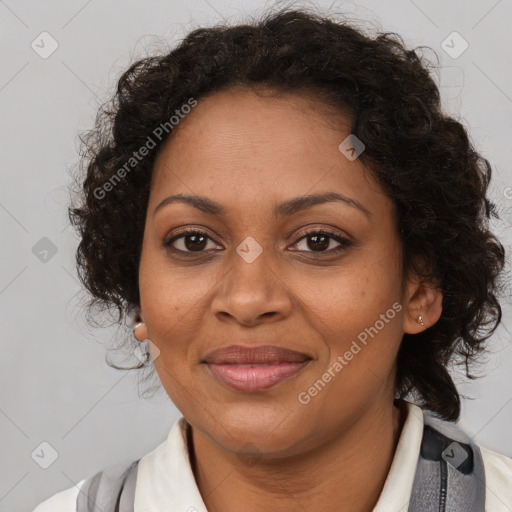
422	157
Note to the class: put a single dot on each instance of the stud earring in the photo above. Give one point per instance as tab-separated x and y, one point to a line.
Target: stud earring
420	320
135	328
143	357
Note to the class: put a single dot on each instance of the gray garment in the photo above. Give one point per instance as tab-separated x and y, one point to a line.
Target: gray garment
111	490
449	476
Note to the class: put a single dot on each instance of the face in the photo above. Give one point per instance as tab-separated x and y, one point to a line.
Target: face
318	279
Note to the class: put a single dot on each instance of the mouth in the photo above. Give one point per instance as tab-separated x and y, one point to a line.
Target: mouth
255	369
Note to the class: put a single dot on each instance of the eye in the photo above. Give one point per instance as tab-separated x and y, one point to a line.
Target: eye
320	241
190	241
195	241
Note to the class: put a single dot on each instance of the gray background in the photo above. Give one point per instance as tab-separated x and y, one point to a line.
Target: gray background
56	386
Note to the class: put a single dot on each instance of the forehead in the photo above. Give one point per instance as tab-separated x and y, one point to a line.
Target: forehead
258	145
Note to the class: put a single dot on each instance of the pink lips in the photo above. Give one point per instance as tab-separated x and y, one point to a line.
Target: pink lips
255	369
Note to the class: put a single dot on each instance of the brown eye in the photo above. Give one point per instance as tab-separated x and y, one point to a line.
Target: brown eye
189	241
320	241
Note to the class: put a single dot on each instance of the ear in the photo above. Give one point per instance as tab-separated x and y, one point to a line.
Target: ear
423	297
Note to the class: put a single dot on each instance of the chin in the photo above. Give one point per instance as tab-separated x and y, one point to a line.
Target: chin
251	431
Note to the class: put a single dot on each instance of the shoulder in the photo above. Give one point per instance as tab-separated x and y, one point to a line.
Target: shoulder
63	501
498	480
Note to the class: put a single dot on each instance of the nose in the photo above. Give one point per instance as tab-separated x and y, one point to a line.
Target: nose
252	293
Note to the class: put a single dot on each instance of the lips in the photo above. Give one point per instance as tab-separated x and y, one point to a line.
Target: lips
264	354
255	369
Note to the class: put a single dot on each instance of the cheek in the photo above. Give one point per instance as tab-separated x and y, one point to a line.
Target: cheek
162	310
359	322
357	314
173	302
169	296
351	298
172	321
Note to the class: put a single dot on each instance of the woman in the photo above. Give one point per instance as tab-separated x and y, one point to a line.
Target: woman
301	233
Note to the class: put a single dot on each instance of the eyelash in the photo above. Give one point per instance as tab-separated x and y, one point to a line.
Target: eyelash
344	242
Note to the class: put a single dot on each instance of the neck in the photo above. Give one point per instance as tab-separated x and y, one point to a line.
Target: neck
348	469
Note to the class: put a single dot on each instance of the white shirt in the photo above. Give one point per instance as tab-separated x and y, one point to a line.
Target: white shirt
165	481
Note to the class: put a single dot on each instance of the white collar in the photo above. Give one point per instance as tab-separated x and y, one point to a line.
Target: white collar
396	493
165	480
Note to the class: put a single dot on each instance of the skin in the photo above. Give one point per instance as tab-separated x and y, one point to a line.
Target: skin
267	451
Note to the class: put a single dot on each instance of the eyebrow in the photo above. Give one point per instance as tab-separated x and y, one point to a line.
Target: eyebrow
286	208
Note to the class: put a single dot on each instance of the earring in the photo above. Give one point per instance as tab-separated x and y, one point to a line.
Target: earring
420	320
144	357
135	328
